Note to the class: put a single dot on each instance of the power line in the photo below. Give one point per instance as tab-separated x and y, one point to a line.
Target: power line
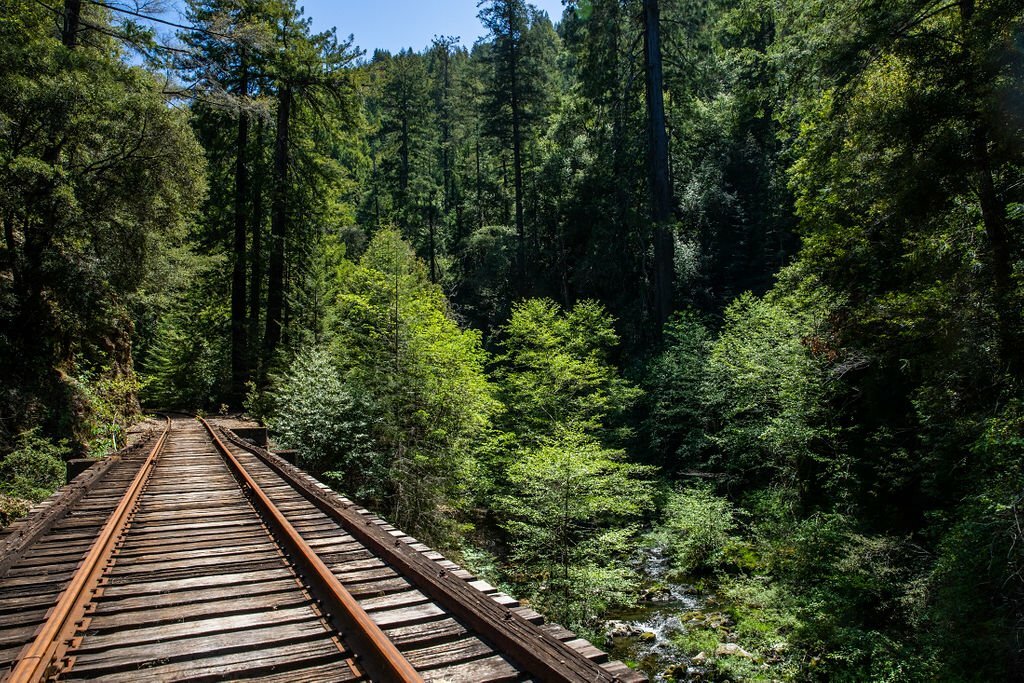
113	34
156	20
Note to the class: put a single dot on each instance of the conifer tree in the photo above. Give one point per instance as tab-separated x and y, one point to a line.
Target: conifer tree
310	76
518	95
227	60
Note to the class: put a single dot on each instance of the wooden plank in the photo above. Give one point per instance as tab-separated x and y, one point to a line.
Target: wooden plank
246	653
120	640
448	654
494	669
116	617
416	635
407	615
405	598
192	583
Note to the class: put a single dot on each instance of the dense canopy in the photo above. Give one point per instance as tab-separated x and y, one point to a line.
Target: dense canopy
719	298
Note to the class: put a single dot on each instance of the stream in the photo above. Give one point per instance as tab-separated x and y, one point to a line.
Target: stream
643	635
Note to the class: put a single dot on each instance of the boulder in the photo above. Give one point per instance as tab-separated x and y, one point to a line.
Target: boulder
620	629
675	672
731	650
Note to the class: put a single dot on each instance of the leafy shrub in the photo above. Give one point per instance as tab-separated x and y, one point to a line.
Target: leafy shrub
318	415
697	527
12	508
111	406
571	511
35	469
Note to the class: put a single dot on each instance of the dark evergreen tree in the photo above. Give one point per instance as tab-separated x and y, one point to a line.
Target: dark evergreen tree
517	95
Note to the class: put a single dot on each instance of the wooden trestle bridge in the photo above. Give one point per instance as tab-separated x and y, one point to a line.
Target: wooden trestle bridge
197	555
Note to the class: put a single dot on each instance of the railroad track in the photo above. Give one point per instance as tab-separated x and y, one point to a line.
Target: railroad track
197	556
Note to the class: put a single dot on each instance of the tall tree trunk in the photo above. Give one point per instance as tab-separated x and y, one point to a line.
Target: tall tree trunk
517	170
993	214
72	22
278	228
657	168
479	189
256	269
239	341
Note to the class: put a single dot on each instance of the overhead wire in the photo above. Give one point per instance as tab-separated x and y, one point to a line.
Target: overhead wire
185	93
139	15
149	17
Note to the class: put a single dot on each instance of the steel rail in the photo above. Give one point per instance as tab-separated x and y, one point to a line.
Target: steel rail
535	651
36	660
380	657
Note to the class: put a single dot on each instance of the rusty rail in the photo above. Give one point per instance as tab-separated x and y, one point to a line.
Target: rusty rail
36	662
537	652
381	658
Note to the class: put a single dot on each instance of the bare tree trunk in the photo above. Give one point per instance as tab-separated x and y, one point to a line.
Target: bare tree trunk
239	341
256	269
657	168
72	22
278	228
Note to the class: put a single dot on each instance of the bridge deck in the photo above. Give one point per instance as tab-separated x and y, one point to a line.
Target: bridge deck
201	584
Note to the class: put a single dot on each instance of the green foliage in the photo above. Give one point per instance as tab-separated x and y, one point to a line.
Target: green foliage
97	172
487	273
407	442
12	508
186	361
35	469
316	413
556	369
675	384
978	551
769	390
696	528
111	406
571	512
863	403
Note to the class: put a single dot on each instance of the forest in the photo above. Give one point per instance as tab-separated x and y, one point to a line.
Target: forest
728	288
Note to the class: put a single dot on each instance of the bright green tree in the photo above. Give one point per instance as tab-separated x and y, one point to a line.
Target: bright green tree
397	346
770	377
556	369
316	413
572	511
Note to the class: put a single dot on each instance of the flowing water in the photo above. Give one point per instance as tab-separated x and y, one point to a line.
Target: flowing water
643	635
